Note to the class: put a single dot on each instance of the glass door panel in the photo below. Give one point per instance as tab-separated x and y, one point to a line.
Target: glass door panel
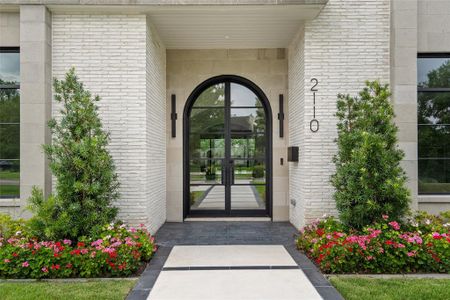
248	197
249	171
203	146
204	197
248	147
227	152
246	121
206	171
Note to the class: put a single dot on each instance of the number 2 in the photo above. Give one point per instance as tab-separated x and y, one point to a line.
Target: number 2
316	82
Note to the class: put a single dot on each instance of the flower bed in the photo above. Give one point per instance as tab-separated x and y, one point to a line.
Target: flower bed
419	245
117	252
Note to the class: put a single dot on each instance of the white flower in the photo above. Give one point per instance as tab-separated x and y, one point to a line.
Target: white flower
19	232
122	226
428	221
107	237
325	216
446	224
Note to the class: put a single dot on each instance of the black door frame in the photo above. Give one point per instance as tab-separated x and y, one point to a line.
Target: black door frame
227	79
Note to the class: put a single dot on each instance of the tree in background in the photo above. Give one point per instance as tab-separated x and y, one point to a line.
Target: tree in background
86	184
369	180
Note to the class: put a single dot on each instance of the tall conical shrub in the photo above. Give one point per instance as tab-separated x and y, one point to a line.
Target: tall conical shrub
369	180
86	182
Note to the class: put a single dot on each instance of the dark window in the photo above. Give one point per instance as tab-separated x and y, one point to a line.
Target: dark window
9	123
433	78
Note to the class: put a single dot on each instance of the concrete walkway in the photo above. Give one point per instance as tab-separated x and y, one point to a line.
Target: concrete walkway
268	267
231	272
243	197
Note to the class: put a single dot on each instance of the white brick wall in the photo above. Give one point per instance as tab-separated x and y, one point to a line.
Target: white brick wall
297	133
156	129
345	45
109	53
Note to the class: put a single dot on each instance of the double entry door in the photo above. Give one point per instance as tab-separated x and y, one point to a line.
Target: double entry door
227	147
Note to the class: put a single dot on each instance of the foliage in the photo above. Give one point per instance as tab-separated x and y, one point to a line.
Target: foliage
420	244
86	184
94	289
392	288
115	251
258	171
369	181
9	226
9	113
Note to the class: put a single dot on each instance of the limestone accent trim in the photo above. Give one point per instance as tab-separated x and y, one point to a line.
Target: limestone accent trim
35	99
166	2
404	85
9	29
186	69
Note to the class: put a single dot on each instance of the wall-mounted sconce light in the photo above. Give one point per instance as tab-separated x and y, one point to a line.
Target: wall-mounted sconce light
281	115
173	115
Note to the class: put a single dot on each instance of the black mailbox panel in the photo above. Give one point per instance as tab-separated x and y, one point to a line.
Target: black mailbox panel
293	153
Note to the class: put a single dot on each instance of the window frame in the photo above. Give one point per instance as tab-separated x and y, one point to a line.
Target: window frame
15	86
429	90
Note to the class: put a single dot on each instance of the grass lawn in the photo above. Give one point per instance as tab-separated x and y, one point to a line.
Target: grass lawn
9	190
117	289
9	175
392	289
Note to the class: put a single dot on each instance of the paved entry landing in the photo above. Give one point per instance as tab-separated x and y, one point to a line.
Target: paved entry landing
232	272
251	256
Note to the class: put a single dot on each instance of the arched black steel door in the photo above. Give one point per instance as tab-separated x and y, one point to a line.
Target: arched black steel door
227	149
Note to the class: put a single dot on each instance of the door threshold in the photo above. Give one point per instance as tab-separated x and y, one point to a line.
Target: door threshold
229	219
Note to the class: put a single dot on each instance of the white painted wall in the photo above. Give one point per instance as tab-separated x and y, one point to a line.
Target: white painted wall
155	129
345	45
114	56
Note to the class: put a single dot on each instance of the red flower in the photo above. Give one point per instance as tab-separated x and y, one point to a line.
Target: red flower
320	232
80	244
56	255
55	267
75	252
122	265
389	242
112	254
69	266
15	254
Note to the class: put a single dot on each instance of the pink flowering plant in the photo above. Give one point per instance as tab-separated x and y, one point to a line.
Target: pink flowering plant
419	244
117	251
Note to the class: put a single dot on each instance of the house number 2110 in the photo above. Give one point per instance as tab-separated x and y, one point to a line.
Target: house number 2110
314	124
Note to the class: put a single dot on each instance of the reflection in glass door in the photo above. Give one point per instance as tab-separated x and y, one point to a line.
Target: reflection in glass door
226	144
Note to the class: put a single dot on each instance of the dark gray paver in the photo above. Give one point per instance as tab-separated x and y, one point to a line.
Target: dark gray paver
229	233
